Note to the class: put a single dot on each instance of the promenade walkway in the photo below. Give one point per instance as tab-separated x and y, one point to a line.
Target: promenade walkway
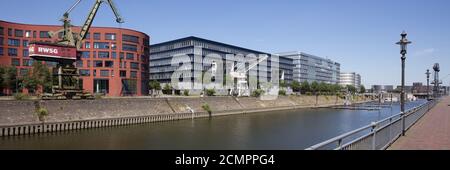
431	132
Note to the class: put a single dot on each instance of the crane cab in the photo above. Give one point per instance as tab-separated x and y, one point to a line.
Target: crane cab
45	51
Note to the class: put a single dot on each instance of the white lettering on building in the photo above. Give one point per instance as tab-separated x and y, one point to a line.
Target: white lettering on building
48	50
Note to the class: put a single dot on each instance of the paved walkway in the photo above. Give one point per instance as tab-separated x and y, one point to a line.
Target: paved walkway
431	132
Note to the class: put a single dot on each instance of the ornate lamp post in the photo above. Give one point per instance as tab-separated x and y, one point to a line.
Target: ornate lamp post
403	47
428	83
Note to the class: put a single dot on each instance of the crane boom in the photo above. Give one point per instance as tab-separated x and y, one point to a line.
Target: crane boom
119	18
88	23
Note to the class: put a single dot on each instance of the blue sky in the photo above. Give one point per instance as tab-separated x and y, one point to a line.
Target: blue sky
360	34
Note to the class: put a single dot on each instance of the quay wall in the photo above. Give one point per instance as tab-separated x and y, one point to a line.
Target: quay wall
20	117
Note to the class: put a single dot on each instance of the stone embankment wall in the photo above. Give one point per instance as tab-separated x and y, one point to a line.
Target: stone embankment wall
83	114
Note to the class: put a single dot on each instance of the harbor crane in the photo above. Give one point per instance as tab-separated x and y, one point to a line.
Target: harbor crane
66	51
239	71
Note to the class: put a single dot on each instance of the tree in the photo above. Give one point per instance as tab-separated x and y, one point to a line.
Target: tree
305	87
314	87
295	85
167	89
362	89
8	78
323	87
2	72
336	88
283	84
40	77
351	89
154	86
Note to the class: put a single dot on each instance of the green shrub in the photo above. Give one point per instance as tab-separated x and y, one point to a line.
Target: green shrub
282	92
41	112
186	92
308	93
20	96
210	92
257	93
207	108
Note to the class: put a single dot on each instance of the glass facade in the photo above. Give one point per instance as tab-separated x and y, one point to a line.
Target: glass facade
352	78
161	56
312	68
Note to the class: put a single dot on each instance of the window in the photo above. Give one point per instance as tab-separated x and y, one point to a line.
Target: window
25	43
34	34
87	45
98	63
88	63
85	72
80	63
123	73
101	45
25	52
129	47
113	55
1	40
28	34
130	56
1	31
104	73
94	54
12	52
18	33
88	36
9	32
95	73
14	42
85	54
27	62
109	64
122	55
110	36
44	34
134	66
96	36
130	38
102	54
15	62
133	74
113	46
143	57
1	51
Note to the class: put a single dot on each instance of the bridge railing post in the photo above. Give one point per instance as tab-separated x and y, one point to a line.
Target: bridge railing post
374	133
402	115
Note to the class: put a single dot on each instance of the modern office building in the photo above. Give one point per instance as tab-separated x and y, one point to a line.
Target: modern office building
183	50
114	61
350	78
286	65
312	68
382	88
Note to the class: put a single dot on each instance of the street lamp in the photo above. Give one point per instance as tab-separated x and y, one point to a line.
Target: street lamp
403	47
428	83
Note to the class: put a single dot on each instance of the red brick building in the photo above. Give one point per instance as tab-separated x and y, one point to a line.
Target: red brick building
114	61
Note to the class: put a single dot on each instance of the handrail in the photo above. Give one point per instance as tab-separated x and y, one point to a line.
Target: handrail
373	126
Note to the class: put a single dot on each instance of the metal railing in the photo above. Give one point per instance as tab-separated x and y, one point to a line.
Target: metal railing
378	135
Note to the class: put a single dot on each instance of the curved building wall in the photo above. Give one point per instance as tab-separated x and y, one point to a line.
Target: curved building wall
114	61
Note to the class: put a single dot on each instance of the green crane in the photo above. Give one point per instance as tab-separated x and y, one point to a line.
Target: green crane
70	43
